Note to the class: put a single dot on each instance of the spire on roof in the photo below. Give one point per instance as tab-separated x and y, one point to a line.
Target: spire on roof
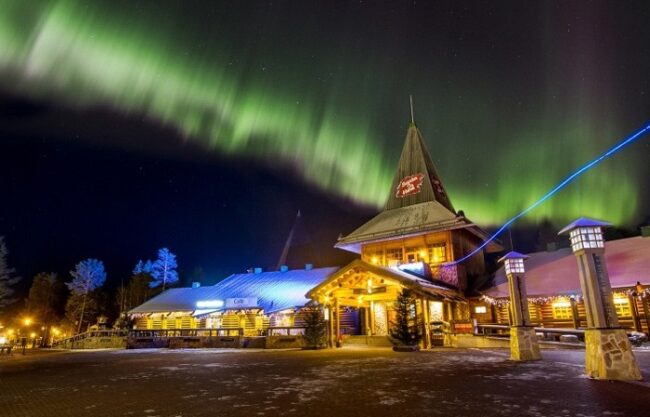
287	244
299	249
416	180
411	101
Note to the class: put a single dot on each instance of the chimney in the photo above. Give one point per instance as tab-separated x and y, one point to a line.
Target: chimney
645	231
309	267
196	285
284	268
257	270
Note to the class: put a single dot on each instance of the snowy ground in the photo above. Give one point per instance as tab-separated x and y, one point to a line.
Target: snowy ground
357	382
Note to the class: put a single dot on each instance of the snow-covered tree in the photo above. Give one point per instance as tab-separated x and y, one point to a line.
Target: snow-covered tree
87	276
163	269
7	277
143	268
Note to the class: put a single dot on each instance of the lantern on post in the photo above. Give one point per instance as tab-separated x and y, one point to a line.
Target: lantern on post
523	340
608	351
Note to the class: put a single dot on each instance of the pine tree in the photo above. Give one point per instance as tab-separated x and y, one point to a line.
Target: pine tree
7	277
315	327
401	328
45	297
87	276
163	269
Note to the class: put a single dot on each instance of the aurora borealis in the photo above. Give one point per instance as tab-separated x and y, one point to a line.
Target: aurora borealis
508	107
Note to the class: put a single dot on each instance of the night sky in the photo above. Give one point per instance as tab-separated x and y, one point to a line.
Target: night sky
126	126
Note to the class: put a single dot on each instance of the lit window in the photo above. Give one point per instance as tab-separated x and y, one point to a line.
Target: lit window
394	256
375	257
480	309
586	238
562	310
622	306
411	255
514	266
437	253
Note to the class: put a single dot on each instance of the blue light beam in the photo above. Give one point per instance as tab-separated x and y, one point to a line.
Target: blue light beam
558	187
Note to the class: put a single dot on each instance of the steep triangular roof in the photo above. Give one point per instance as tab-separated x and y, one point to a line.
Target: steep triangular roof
416	180
417	202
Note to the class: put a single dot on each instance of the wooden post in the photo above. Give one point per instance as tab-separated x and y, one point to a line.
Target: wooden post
427	323
330	327
646	311
366	321
575	315
337	333
634	309
372	317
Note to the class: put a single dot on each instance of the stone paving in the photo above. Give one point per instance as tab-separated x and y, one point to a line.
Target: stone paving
344	382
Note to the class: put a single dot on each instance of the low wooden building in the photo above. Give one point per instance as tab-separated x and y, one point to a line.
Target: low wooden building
554	294
248	304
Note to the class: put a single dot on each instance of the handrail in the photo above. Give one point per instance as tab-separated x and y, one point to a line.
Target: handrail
286	331
486	329
90	333
199	332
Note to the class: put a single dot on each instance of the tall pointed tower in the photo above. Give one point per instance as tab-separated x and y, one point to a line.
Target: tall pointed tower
416	180
419	223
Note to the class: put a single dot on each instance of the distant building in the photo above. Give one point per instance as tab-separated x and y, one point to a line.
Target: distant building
554	294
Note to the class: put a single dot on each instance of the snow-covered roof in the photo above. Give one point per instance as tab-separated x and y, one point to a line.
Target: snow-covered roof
583	222
274	291
549	273
513	255
406	278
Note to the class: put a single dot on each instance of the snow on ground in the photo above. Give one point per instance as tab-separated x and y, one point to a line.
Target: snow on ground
197	351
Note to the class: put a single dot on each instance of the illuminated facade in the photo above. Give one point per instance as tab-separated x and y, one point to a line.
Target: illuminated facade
410	245
554	293
243	304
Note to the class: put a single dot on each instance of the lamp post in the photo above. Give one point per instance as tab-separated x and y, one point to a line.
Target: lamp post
523	340
608	352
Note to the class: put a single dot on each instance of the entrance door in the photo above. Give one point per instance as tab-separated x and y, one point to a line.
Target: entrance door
380	319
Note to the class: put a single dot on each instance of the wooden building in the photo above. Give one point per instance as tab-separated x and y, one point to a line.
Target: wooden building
412	244
555	297
248	304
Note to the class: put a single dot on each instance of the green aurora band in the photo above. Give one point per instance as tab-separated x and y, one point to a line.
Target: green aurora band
88	55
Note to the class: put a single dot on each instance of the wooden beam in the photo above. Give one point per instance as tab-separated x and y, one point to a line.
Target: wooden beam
338	323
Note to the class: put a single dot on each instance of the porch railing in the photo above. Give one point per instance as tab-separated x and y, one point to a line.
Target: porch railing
285	331
87	335
502	330
167	333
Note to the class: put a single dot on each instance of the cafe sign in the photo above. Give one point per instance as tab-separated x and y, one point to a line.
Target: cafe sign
247	302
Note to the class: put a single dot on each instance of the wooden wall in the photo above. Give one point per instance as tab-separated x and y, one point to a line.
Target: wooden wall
542	315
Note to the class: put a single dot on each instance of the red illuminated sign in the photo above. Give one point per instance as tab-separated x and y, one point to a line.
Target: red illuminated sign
409	185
